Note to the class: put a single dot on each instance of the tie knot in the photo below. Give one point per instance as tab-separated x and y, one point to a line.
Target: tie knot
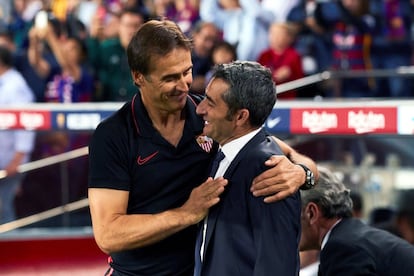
220	156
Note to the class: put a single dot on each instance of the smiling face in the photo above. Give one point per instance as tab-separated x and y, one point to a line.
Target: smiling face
167	85
214	111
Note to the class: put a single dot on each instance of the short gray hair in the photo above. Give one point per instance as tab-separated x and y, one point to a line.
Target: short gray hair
330	194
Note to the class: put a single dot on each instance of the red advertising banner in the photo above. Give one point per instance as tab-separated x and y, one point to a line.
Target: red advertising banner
346	120
25	119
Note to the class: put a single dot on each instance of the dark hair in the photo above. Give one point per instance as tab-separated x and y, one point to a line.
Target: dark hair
82	46
405	205
227	46
357	201
251	87
154	38
6	57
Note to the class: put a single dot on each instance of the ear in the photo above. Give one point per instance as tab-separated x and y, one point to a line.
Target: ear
242	116
138	78
312	213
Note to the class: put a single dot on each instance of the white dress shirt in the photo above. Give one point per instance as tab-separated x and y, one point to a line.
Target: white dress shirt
230	150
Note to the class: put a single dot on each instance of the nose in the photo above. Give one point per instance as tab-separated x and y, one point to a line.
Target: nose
184	83
200	110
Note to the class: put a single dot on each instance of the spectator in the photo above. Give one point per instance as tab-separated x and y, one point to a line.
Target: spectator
159	8
244	23
205	36
5	13
357	204
404	214
351	35
73	26
392	45
22	17
400	219
382	216
281	58
312	42
73	81
223	52
348	246
185	13
280	9
108	57
22	64
15	145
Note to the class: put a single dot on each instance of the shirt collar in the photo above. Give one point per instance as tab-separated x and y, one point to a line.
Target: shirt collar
232	148
326	238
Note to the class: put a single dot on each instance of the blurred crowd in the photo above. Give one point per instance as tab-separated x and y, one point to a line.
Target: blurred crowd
74	50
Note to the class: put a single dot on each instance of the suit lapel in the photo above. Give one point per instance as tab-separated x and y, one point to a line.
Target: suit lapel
215	210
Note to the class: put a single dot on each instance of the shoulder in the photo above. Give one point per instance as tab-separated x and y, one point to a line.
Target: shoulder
117	123
266	145
259	149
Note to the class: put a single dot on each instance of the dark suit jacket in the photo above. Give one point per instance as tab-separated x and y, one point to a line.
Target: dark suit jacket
355	248
246	236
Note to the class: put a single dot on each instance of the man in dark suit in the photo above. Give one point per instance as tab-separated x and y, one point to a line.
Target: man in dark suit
348	246
243	235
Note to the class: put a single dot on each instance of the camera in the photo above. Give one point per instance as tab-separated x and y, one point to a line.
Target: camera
41	19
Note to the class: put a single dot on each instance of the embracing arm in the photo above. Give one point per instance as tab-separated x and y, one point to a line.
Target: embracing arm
285	177
115	230
297	158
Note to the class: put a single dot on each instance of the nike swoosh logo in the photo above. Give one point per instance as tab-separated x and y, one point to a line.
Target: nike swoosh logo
271	123
142	161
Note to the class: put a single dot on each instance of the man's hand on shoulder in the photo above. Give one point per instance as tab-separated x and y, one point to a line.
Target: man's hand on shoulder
280	181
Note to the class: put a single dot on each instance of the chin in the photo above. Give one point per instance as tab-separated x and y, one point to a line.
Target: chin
207	132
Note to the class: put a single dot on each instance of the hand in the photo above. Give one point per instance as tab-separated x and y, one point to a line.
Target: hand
96	26
202	198
282	74
279	182
11	169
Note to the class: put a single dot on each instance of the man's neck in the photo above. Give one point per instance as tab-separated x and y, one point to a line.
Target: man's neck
325	229
170	125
